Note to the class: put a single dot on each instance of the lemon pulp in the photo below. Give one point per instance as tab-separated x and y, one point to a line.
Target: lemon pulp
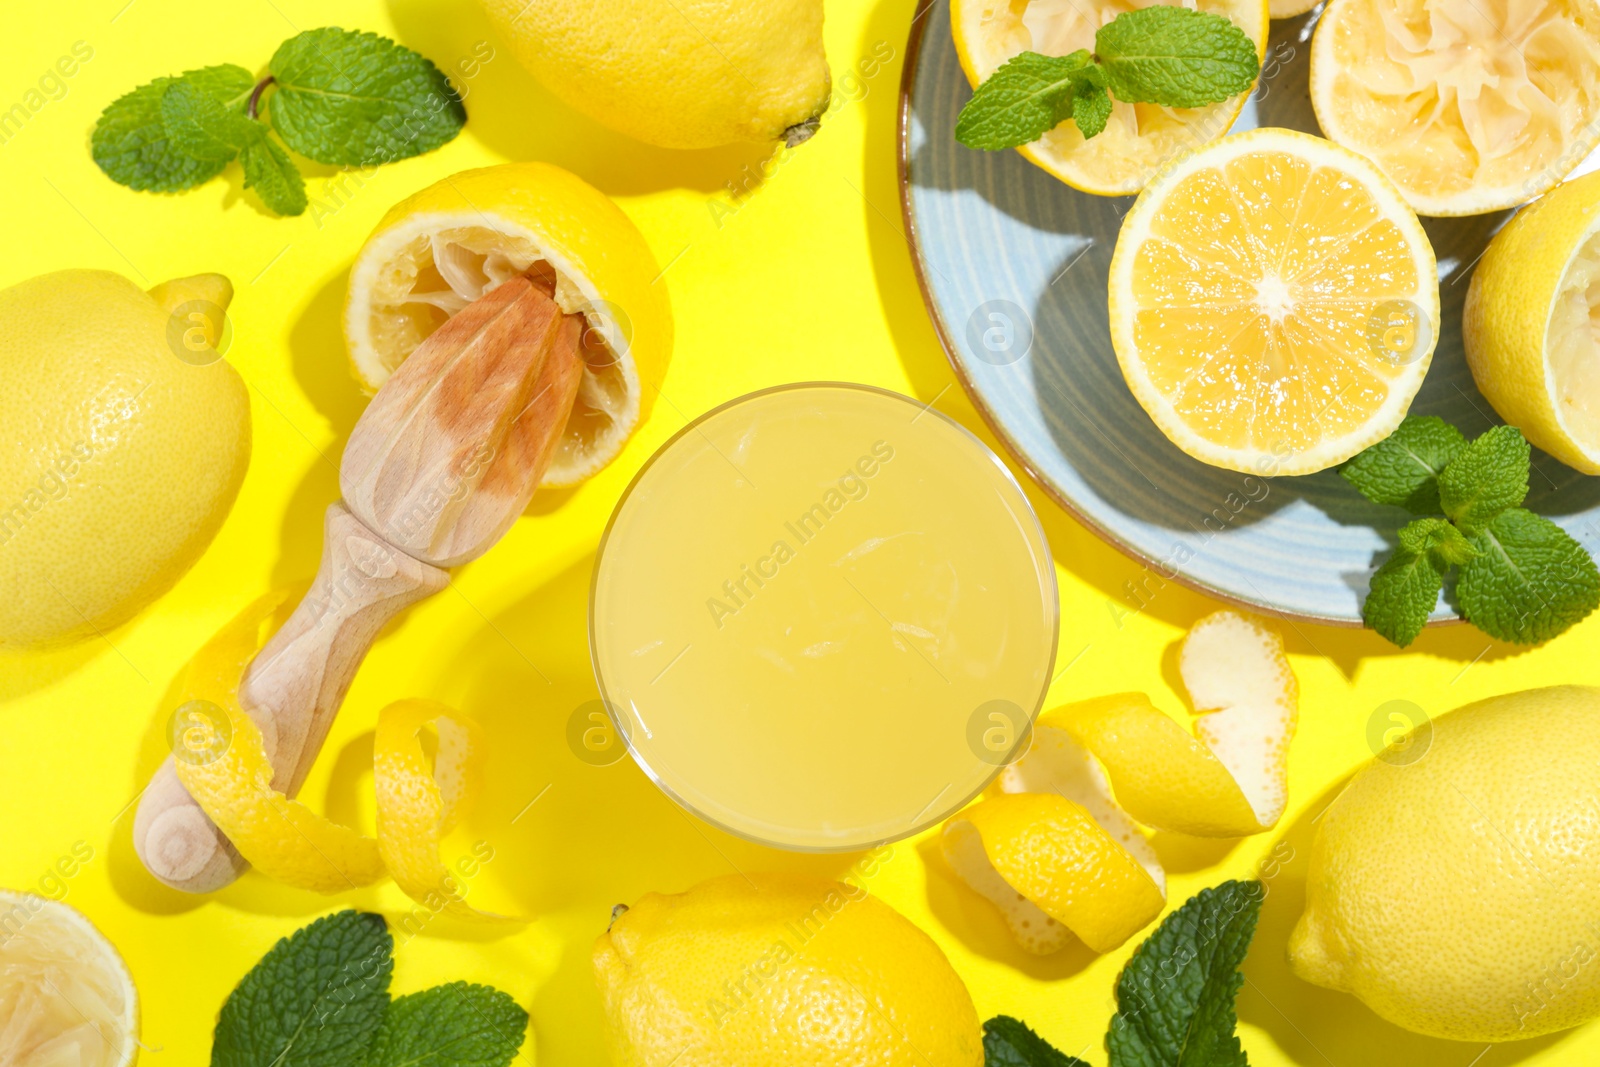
1273	303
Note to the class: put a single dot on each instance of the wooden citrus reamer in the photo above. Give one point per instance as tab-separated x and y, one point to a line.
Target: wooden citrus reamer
437	469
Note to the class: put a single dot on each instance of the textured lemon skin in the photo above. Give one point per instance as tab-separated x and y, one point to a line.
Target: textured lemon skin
1458	895
118	460
783	971
676	73
593	239
1508	311
1053	853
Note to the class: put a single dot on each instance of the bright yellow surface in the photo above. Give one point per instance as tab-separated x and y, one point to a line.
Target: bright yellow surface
807	278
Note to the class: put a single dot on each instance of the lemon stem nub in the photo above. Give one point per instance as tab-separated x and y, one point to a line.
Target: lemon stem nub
617	912
801	132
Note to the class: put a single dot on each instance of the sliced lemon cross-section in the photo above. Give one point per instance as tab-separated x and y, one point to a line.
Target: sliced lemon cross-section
1274	303
1138	138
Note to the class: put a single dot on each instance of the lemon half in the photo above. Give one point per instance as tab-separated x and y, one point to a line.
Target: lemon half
1138	138
1531	318
441	248
1274	303
66	997
1469	106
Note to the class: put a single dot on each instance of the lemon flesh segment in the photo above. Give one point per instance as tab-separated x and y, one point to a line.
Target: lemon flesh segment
1469	106
1096	770
418	804
282	838
445	246
1138	138
1274	303
1531	326
66	997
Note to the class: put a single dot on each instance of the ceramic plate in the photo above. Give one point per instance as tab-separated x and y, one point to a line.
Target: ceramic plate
1001	246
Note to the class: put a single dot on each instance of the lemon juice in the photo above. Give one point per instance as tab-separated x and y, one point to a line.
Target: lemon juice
823	616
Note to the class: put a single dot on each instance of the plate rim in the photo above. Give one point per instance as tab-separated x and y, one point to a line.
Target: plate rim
913	53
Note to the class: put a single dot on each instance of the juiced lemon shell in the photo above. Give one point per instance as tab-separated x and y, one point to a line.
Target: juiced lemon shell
66	998
448	244
1468	106
1139	138
1529	323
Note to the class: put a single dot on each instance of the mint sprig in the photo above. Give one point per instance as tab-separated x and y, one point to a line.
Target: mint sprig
1522	578
1173	56
1175	997
320	998
334	96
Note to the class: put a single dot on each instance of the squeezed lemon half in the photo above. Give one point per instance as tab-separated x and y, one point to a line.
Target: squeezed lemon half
1274	303
440	249
66	997
1138	138
1468	106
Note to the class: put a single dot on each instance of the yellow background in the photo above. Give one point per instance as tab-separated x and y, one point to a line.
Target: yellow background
809	278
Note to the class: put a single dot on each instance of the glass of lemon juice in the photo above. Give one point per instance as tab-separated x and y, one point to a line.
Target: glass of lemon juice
823	616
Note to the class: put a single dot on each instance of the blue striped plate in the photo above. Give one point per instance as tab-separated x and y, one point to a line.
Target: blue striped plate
1013	268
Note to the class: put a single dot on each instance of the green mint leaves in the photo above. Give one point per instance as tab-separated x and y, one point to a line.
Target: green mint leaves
131	142
455	1025
1174	998
334	96
1008	1042
320	998
1173	56
1522	578
356	99
316	999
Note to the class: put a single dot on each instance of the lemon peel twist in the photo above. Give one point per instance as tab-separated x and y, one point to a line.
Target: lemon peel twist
417	804
1059	849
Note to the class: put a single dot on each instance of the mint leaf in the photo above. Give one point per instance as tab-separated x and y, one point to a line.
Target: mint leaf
272	174
1175	56
316	999
1175	996
1405	589
1447	544
130	142
1008	1042
1529	582
1091	107
455	1025
357	99
1025	99
1403	469
200	126
1488	477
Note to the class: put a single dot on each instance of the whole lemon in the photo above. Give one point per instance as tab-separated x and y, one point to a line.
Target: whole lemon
782	971
678	75
123	440
1455	883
